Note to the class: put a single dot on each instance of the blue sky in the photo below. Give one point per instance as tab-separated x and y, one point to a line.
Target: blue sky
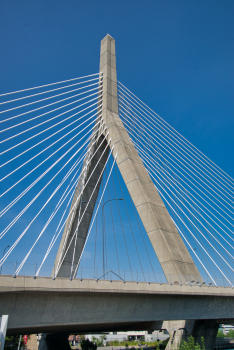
176	56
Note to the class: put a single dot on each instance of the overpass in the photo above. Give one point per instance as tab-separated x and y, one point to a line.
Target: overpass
47	305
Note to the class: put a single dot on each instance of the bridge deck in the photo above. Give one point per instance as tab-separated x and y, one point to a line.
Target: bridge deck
27	283
46	305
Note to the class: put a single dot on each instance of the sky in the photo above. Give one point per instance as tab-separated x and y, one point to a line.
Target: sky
176	56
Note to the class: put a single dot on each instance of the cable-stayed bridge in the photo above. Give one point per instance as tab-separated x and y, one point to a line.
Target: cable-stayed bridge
97	188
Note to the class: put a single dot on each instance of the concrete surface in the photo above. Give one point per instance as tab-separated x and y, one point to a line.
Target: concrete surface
66	269
166	241
46	305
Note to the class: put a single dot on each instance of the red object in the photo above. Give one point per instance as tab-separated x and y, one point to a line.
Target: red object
25	339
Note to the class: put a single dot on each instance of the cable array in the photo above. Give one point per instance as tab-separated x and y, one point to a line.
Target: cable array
50	137
46	133
196	192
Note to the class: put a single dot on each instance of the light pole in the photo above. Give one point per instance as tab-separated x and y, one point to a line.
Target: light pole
103	241
3	256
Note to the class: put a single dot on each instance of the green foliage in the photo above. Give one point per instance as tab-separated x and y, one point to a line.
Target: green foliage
220	334
163	344
99	342
113	343
11	342
191	345
134	344
230	333
87	344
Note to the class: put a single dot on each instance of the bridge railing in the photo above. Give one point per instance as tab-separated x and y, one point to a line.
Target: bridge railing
9	268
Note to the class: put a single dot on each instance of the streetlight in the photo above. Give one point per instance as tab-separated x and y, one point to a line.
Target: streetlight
102	205
3	256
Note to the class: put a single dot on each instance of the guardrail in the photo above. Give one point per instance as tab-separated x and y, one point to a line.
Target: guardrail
9	268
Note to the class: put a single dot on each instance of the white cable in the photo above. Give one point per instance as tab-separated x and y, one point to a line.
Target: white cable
41	132
20	237
47	98
16	183
45	92
194	179
196	217
28	149
60	82
23	233
191	181
141	150
188	228
48	120
193	251
75	121
61	260
59	204
36	109
39	178
50	218
178	135
54	238
194	226
177	151
95	216
75	184
78	220
168	174
73	209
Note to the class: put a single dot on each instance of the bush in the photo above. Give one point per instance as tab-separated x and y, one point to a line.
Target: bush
114	342
190	344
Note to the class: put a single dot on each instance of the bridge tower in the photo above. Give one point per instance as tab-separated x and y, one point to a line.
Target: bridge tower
166	240
168	245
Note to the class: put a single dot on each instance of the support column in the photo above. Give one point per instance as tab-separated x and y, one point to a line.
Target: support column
57	341
181	330
3	329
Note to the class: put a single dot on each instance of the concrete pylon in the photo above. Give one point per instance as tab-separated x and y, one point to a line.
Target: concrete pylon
169	247
180	331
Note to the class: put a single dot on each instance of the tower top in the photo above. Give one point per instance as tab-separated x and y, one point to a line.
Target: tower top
108	36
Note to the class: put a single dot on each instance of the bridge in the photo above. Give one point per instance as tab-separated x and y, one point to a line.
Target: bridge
172	201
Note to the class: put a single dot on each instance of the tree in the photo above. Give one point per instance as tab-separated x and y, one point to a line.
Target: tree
87	344
230	333
220	334
11	342
191	345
